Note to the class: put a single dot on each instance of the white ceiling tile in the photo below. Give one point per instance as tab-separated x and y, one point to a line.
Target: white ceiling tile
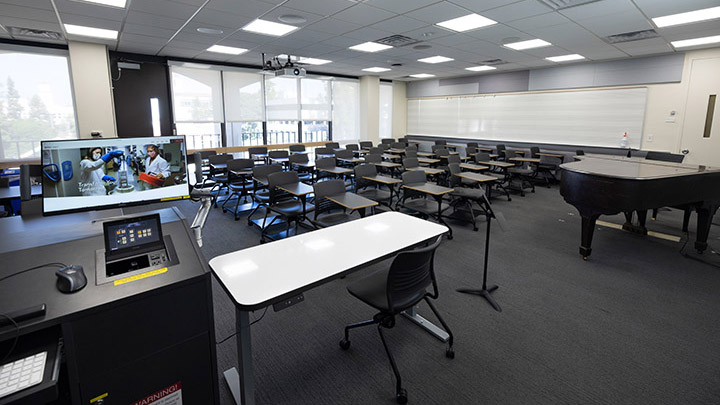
137	47
565	35
650	47
522	9
689	30
291	44
147	40
213	18
538	21
367	34
400	6
695	34
306	34
608	53
399	24
237	44
433	31
181	43
251	37
452	40
89	9
247	8
333	26
141	18
645	43
438	12
478	47
24	23
148	30
178	52
363	15
321	7
343	42
28	13
318	50
598	9
656	8
546	51
164	8
481	6
39	4
91	22
618	23
274	14
499	34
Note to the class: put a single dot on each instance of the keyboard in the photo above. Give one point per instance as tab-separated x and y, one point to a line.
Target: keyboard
21	374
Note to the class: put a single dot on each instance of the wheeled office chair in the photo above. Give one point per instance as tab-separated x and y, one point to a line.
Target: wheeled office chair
394	290
328	213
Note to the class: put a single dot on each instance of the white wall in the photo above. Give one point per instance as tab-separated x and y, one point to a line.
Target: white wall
399	110
370	108
90	70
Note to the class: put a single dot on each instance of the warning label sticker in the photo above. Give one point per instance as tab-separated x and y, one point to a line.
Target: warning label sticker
171	395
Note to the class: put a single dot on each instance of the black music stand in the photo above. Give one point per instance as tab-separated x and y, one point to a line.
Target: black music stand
485	291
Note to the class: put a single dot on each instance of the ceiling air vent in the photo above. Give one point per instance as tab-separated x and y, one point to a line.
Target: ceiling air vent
631	36
563	4
493	62
31	33
397	40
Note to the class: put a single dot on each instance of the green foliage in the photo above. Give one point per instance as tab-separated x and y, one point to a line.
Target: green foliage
14	109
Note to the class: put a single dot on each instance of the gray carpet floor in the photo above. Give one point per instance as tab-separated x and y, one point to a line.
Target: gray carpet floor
638	323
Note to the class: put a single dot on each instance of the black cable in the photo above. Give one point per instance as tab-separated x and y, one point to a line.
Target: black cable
17	336
57	264
251	324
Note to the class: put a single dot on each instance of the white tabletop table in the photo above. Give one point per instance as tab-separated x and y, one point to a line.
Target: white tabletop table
257	277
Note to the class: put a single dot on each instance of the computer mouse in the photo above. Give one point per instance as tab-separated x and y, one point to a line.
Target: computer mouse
71	279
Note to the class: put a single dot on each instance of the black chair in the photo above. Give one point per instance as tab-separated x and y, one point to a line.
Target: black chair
258	154
278	154
219	177
375	151
441	142
366	144
328	213
238	184
373	158
580	152
332	145
202	169
397	145
464	196
304	173
534	150
324	163
411	148
471	151
410	153
282	203
472	145
391	291
521	171
384	146
352	146
411	163
299	148
370	189
386	141
324	152
344	154
500	150
261	194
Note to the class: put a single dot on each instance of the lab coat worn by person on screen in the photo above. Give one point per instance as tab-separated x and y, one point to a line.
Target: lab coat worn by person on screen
156	165
92	172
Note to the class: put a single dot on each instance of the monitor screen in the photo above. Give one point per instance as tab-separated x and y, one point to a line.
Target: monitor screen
89	174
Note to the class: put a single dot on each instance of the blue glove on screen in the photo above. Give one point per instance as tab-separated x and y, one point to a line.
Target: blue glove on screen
108	178
112	154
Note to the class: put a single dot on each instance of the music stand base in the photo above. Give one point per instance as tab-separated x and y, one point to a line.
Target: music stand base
485	293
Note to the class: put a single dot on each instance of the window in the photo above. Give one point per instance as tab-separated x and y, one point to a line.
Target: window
198	106
283	109
36	101
345	111
386	103
244	108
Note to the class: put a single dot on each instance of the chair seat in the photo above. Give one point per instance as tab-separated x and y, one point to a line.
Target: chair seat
521	171
332	218
219	179
469	193
425	206
372	290
291	208
374	194
239	186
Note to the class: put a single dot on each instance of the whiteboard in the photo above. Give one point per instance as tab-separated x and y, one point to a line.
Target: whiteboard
588	118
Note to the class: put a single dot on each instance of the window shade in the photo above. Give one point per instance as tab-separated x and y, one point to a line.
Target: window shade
243	96
346	110
197	95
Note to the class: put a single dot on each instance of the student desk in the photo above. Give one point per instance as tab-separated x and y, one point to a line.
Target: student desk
472	167
390	182
388	165
395	151
480	178
300	190
428	161
435	191
257	277
352	202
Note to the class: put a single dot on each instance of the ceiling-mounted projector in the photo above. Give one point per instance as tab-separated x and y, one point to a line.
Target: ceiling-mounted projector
290	71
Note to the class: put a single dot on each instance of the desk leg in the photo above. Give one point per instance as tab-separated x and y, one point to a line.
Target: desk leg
242	385
439	216
425	324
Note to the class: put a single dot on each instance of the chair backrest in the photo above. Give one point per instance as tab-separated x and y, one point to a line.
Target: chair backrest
219	159
509	154
366	144
413	177
257	150
433	148
384	146
280	178
325	163
278	154
397	145
344	154
471	150
387	141
324	151
265	171
664	156
453	158
441	142
352	146
534	150
482	157
240	164
409	163
442	152
363	171
373	158
299	158
328	187
411	273
579	152
500	148
454	169
411	148
297	148
375	151
472	145
410	153
207	153
332	145
197	158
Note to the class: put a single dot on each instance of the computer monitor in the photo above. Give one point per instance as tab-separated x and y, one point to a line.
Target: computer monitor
91	174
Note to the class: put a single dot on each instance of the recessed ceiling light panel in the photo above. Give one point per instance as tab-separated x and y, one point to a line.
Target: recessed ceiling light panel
210	31
696	41
435	59
269	28
533	43
229	50
111	3
422	75
90	32
370	47
565	58
481	68
466	23
376	69
687	18
313	61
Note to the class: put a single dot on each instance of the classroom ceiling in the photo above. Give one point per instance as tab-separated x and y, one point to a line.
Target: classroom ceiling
170	28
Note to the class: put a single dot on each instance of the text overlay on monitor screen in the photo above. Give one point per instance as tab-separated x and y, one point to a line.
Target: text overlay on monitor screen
89	174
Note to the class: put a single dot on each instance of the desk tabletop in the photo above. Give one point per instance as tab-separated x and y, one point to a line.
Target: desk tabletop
304	164
390	156
497	164
261	180
242	172
426	154
352	160
218	166
555	155
396	151
429	188
476	168
352	201
280	159
298	189
387	164
259	276
525	159
428	170
476	177
335	170
383	179
485	149
428	160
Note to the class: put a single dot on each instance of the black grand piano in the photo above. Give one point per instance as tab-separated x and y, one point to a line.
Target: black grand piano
607	185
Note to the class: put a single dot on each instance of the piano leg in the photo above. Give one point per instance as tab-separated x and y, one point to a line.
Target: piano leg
630	227
704	221
588	227
642	217
686	219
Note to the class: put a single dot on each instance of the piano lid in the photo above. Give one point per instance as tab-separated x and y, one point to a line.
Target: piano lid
633	168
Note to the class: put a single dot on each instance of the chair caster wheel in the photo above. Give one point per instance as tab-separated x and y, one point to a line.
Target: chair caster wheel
224	210
344	344
450	353
475	229
401	396
450	237
262	241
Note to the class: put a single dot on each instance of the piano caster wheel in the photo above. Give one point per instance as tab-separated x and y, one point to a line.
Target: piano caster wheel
585	258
